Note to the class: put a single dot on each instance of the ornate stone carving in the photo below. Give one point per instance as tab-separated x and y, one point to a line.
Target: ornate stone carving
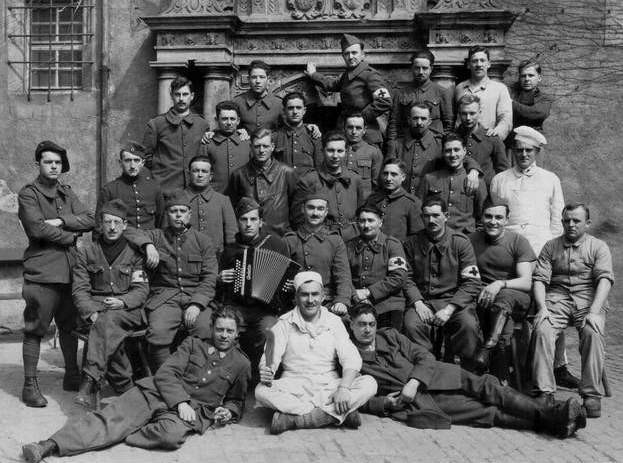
464	36
465	5
326	9
322	43
193	39
190	7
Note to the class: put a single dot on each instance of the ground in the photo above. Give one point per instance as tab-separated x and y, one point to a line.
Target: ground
378	440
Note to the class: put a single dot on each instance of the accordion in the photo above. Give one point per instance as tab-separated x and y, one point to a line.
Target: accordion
261	274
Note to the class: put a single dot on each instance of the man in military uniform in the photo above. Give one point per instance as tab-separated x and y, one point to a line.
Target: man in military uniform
212	212
53	219
423	90
450	183
400	210
257	317
295	145
378	268
109	289
443	286
227	150
428	394
259	109
361	87
184	280
361	157
136	187
268	181
315	247
173	138
343	187
202	384
487	150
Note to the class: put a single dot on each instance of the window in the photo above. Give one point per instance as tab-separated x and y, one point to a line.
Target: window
56	39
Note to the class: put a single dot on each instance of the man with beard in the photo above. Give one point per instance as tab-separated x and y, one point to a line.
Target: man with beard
361	87
505	260
422	90
427	394
53	218
443	286
202	384
257	317
378	268
212	212
109	289
268	181
173	138
361	157
400	211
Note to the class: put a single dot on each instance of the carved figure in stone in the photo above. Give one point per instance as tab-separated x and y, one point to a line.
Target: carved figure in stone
351	8
465	4
188	40
167	39
211	39
441	37
464	37
185	7
305	9
489	37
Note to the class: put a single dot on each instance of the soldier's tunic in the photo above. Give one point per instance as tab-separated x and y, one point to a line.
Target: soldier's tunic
366	160
488	152
295	147
401	212
258	113
226	153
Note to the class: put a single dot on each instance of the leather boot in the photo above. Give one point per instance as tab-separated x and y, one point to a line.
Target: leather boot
564	378
69	348
317	418
505	420
37	451
481	359
84	392
562	419
31	395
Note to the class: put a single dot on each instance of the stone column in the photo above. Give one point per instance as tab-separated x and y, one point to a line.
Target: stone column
216	88
444	75
165	77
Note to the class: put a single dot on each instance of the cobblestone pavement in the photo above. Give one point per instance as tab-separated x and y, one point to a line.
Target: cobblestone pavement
378	440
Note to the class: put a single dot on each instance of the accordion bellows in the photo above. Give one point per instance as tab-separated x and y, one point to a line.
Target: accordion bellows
262	274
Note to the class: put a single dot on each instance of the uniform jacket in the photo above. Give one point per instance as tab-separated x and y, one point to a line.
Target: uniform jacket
420	156
196	373
380	267
488	152
226	154
257	113
356	87
439	100
273	188
50	252
187	266
401	212
442	272
213	214
296	148
142	196
530	108
323	252
94	279
366	160
171	142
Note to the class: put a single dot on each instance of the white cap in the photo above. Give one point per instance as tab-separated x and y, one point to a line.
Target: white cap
529	136
305	277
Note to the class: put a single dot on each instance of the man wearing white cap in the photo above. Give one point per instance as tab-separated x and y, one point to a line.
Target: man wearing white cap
306	342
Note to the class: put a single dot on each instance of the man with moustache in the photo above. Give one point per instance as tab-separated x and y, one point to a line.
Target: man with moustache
422	90
378	268
449	183
317	248
203	384
443	286
361	87
109	289
212	212
505	260
309	343
495	101
136	187
173	138
400	211
415	388
268	181
361	157
53	218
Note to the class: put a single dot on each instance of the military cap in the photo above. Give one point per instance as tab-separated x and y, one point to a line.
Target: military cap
48	145
115	207
530	136
317	194
305	277
369	208
245	205
349	40
134	148
176	198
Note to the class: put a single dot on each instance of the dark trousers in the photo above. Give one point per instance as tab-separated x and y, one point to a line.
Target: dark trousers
256	322
391	319
140	417
511	301
47	301
166	320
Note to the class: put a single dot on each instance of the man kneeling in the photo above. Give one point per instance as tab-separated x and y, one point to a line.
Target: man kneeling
308	342
186	396
426	393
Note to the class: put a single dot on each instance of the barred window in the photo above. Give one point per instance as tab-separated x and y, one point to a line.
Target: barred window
56	43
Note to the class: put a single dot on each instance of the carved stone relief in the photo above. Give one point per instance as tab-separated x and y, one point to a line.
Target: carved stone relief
465	5
322	43
190	7
328	9
190	39
464	36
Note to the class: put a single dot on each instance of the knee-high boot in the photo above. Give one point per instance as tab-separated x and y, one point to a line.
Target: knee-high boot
481	359
31	394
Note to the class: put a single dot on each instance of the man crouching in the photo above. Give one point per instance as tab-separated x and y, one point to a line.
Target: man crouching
308	342
186	396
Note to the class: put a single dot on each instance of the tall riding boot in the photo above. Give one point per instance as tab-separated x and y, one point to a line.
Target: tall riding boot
508	421
481	359
498	363
317	418
31	395
37	451
69	347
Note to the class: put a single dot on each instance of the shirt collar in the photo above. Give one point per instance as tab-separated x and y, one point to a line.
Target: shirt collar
219	137
578	243
397	193
49	191
206	193
528	172
173	118
440	245
305	234
352	73
482	85
427	139
375	245
314	329
252	100
425	86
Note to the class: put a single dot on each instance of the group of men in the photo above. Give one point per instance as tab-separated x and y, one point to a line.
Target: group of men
426	238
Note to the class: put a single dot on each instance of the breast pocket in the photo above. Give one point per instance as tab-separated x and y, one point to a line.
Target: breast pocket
194	263
96	277
364	168
434	108
124	277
